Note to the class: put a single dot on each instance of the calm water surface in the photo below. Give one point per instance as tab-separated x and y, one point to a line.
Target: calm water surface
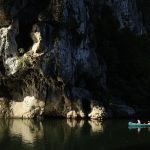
71	135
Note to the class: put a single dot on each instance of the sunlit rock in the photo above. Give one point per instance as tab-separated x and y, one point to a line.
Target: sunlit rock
8	46
81	114
97	112
36	36
12	63
66	40
29	108
72	114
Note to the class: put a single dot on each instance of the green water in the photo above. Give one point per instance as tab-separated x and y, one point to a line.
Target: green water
71	135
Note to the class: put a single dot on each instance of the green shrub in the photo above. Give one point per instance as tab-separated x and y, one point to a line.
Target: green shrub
21	50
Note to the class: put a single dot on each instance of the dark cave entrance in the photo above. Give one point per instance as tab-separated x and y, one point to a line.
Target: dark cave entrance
24	39
26	20
86	106
28	16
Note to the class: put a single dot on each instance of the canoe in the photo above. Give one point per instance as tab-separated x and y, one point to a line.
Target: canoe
138	125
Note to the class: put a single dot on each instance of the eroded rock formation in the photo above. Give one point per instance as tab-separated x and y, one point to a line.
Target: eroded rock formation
49	51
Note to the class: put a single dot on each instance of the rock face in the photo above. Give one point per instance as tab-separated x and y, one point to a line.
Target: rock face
128	15
28	108
49	51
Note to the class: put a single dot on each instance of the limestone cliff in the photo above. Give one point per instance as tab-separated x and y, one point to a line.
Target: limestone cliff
52	56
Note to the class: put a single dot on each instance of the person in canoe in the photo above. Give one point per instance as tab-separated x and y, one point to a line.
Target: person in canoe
148	122
138	121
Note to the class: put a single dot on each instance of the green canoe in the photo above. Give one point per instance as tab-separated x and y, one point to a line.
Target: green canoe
137	125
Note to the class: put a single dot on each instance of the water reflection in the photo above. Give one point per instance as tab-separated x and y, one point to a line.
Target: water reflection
139	129
3	129
96	126
30	131
73	123
27	130
69	135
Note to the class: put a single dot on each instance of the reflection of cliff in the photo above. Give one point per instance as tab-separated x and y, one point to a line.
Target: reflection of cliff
28	130
96	126
3	128
63	132
73	123
70	135
48	134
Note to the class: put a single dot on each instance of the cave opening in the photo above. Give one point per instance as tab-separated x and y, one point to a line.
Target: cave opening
27	18
86	106
24	39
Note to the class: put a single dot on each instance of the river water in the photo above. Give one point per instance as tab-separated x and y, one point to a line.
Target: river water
71	135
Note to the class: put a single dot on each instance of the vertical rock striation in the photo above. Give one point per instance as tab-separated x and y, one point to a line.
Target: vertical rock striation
128	15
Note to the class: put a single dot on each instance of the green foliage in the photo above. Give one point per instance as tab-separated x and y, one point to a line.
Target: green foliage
21	50
22	62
